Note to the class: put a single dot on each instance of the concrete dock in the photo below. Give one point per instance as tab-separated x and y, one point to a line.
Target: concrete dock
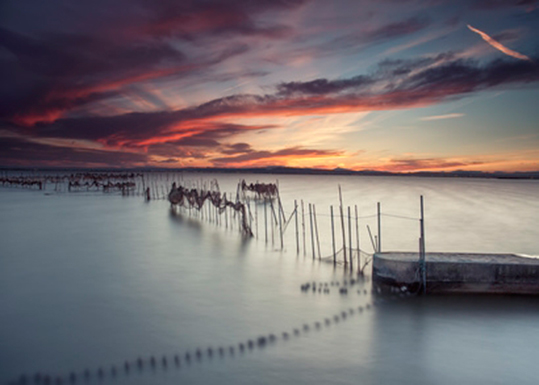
459	272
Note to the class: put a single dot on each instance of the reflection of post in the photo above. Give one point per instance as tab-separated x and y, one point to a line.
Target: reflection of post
342	226
297	229
333	236
256	219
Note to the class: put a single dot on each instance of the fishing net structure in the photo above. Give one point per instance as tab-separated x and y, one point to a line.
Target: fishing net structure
261	190
107	182
195	198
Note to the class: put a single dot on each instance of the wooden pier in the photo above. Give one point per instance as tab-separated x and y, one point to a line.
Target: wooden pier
459	272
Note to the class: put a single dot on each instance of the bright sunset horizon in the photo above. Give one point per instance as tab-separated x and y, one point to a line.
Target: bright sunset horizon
399	86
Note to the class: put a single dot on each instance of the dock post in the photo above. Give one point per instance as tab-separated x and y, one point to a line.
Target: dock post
333	236
379	228
297	228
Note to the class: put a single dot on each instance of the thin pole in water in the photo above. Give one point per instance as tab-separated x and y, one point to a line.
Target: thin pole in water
357	239
280	226
350	237
379	228
422	249
316	231
266	220
333	236
297	229
303	224
342	226
312	230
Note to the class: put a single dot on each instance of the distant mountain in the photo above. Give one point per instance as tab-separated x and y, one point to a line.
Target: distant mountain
310	171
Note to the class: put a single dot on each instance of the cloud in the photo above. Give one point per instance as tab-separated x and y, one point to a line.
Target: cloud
376	35
499	46
442	117
439	164
396	84
18	151
50	75
261	158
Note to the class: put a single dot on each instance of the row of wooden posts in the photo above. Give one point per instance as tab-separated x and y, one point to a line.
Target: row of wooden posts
276	223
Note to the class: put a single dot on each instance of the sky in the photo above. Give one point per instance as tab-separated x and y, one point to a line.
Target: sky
389	85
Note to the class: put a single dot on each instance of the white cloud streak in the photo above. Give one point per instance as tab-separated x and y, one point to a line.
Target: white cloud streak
441	117
498	45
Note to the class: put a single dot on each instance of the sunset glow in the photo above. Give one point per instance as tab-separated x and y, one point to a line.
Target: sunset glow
382	85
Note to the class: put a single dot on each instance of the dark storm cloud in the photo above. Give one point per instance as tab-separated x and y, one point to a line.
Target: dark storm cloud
495	4
393	85
47	75
16	151
324	86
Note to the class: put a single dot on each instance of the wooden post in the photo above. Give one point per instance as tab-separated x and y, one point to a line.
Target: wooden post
379	228
350	237
372	240
280	227
333	236
342	226
357	240
297	229
303	225
266	220
312	229
272	223
256	219
316	232
422	249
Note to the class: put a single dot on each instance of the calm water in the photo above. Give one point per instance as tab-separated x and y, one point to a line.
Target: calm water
91	280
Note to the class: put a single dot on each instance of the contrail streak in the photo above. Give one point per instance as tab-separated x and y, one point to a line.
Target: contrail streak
498	45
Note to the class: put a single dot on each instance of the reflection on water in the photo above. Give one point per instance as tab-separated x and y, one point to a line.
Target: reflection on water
90	281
